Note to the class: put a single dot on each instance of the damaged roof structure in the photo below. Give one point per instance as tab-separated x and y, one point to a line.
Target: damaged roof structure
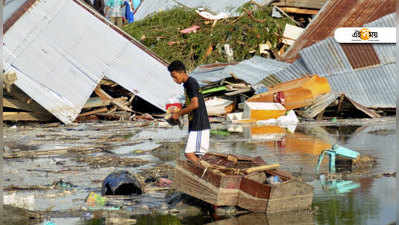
365	73
59	62
253	71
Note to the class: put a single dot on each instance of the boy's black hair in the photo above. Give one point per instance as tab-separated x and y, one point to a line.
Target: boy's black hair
176	66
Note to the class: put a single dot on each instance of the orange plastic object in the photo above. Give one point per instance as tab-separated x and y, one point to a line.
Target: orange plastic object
266	114
263	111
296	93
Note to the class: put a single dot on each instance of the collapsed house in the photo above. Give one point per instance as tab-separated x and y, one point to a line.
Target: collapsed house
53	64
360	75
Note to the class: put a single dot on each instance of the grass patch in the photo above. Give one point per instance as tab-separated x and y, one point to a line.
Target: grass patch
242	33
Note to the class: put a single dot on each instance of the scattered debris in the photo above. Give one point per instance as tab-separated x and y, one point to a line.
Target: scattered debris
211	185
218	106
110	161
20	201
291	34
192	29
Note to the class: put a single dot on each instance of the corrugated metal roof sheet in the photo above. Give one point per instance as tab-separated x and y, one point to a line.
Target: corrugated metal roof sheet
385	52
256	69
360	55
72	63
372	87
293	71
339	13
149	7
204	75
329	57
252	71
325	57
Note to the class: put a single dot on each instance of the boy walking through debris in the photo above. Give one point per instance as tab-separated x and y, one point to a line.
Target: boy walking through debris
198	137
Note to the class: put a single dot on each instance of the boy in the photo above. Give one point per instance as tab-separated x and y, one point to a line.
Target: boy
198	136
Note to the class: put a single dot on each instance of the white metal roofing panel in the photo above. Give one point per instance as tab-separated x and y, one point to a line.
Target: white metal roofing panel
60	52
52	76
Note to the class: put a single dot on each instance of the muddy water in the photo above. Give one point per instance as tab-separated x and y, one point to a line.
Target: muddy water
363	197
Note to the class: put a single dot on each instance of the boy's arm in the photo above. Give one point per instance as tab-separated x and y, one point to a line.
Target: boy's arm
192	106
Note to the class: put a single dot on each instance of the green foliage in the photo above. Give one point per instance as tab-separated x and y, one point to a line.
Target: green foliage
243	34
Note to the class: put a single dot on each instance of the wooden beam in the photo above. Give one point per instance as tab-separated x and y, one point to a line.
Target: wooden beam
15	104
93	112
299	10
104	96
24	116
18	94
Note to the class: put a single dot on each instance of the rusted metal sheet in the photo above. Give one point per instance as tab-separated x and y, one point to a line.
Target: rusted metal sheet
360	56
339	13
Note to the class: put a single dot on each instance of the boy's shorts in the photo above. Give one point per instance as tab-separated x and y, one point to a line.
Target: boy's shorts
198	142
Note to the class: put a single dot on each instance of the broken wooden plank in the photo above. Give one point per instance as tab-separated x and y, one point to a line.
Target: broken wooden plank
285	14
308	4
9	79
367	111
300	10
36	153
15	104
244	90
25	116
19	95
104	96
291	34
96	102
261	168
104	109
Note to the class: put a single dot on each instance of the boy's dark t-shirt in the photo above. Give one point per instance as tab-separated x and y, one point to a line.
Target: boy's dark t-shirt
198	118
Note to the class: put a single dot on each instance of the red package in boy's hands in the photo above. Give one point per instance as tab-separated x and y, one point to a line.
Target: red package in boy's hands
169	112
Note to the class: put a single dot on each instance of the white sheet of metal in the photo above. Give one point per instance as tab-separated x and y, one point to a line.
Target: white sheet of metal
60	52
